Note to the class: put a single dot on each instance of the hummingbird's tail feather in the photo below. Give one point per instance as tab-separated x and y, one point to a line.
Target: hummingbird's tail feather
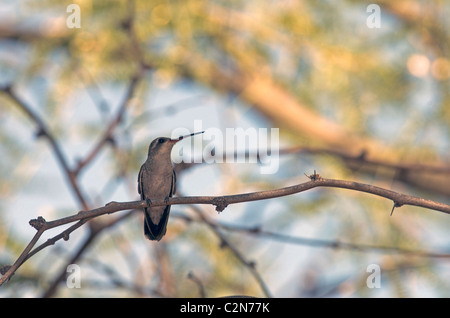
153	231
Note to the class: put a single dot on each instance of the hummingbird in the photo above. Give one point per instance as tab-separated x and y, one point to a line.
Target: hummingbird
157	180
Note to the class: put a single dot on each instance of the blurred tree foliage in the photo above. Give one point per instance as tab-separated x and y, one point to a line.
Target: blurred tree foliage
369	103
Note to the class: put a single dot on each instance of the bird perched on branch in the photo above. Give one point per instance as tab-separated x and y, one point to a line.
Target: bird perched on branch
156	181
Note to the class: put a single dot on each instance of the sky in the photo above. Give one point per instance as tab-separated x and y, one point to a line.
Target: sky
46	193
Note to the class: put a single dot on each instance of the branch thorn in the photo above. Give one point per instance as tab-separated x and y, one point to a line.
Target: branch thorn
220	203
314	177
396	205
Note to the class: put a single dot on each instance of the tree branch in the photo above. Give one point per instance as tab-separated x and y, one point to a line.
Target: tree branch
42	130
225	243
109	131
333	244
221	202
71	174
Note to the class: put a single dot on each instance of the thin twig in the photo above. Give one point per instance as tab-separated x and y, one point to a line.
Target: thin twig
71	175
225	243
108	133
44	131
334	244
362	159
199	283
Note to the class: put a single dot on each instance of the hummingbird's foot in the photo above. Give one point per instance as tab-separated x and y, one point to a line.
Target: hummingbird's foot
166	199
148	201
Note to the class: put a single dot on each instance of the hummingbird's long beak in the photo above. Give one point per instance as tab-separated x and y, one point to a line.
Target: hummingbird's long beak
182	137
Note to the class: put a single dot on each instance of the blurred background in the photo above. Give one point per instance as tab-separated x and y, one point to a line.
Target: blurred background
356	93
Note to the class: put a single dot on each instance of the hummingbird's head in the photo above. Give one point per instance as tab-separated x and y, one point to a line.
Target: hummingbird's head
161	145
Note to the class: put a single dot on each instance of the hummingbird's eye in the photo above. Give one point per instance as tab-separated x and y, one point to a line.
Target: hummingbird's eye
160	140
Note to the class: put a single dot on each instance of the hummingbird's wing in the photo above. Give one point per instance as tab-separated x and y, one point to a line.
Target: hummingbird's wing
140	183
174	183
151	230
147	226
